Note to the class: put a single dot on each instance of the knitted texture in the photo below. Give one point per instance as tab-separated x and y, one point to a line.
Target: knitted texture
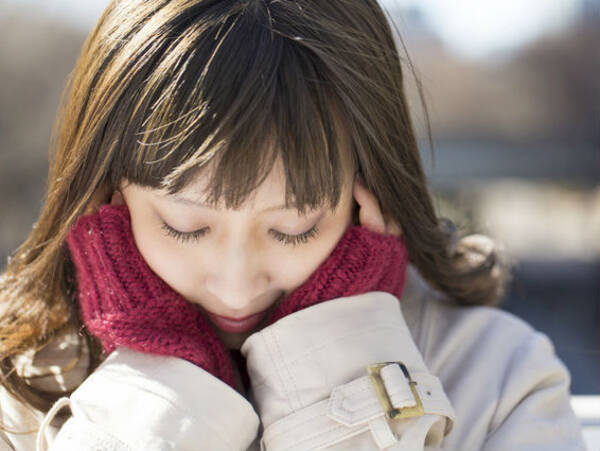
124	303
362	261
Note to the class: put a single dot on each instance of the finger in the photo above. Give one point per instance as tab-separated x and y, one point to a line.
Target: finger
98	198
117	199
392	228
369	213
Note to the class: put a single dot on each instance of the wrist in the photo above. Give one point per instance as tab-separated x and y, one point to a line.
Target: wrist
341	368
306	354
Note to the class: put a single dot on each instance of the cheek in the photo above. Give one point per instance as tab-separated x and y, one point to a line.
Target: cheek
297	267
293	270
161	258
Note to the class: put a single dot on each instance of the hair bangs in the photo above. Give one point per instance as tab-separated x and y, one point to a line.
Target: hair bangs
240	96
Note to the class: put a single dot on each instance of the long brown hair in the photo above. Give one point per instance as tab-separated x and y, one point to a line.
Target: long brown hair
162	87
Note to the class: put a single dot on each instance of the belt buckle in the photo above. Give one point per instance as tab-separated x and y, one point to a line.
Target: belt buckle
391	412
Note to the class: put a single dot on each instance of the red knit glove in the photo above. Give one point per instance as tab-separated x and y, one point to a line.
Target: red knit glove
124	303
362	261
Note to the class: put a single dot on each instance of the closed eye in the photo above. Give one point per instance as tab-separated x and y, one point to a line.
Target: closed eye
183	237
293	240
296	239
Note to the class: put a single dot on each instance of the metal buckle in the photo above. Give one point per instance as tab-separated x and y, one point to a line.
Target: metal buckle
391	412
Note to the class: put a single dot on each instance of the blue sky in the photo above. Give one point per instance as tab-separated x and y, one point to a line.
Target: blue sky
473	28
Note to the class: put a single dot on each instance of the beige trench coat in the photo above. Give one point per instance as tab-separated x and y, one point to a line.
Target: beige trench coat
451	378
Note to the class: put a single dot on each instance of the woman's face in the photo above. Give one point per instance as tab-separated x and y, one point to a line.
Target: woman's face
239	262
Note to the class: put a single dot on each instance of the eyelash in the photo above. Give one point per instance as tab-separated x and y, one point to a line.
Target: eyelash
293	240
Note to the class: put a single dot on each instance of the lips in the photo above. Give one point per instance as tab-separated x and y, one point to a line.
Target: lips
239	325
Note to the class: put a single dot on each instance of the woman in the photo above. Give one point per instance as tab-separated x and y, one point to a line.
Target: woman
234	159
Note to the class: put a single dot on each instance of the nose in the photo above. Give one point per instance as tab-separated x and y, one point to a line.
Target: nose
236	278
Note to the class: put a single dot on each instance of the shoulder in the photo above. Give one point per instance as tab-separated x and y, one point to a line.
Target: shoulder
475	345
445	331
496	369
58	367
474	331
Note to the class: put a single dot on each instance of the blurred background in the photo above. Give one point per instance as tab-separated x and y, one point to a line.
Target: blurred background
513	94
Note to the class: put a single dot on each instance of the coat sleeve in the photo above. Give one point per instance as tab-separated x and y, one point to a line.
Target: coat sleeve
533	410
139	401
327	377
5	443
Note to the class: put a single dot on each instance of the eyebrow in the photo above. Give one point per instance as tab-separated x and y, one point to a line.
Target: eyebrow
195	203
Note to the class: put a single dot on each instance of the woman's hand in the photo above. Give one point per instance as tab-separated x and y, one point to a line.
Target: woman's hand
100	197
370	215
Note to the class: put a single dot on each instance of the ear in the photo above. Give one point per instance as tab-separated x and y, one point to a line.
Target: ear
369	211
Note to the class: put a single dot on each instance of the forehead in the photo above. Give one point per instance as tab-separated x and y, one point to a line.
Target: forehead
269	196
270	192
